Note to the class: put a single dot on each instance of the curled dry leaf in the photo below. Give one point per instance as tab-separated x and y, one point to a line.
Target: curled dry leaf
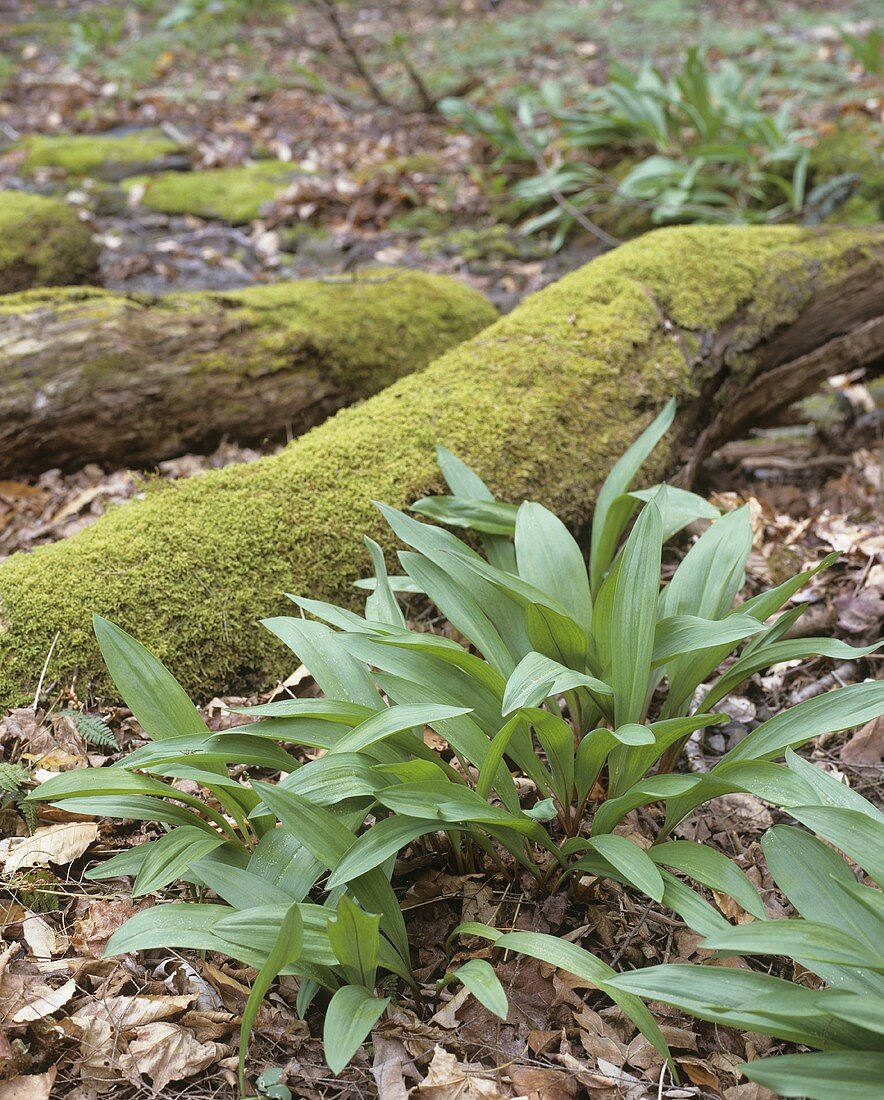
866	747
449	1079
167	1052
60	844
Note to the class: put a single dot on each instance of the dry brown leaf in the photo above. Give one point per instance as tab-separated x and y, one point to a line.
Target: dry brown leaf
42	1000
95	926
390	1058
699	1073
866	747
32	1087
60	844
449	1079
538	1083
167	1052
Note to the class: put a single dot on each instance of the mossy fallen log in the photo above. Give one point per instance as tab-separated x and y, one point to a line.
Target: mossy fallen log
42	243
93	376
233	195
109	157
541	404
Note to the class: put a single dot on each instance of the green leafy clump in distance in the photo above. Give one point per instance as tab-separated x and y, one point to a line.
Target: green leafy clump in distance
695	146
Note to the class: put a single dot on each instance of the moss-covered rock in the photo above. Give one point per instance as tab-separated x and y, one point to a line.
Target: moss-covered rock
233	195
857	152
102	156
541	403
42	243
96	376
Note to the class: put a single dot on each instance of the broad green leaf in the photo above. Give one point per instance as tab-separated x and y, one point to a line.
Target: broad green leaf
737	998
351	1014
451	802
857	834
537	676
382	603
339	675
149	690
460	607
393	720
285	951
556	635
866	1012
595	747
712	868
171	855
837	710
606	529
215	750
241	887
792	649
134	808
681	507
681	634
384	839
491	517
808	940
829	1076
634	614
767	603
355	939
162	926
549	558
635	865
328	840
464	482
640	758
648	790
328	710
447	650
479	978
331	779
828	790
711	573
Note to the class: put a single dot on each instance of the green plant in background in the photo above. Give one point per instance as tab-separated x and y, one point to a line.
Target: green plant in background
867	49
699	146
583	678
838	937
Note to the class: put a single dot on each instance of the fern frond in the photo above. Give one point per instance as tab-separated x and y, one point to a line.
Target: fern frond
91	728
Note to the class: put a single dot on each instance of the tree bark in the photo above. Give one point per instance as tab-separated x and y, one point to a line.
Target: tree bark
732	322
92	376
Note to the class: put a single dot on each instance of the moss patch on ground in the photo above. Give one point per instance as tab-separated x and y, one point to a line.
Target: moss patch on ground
541	404
42	243
233	195
103	156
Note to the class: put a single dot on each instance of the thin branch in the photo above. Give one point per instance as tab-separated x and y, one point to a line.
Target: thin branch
561	200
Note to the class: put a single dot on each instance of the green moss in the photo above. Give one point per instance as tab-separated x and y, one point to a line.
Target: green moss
106	156
42	243
541	403
229	194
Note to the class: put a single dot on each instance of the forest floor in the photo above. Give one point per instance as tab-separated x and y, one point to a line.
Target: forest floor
401	187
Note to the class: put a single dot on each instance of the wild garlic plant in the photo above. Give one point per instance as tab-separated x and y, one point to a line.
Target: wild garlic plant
579	676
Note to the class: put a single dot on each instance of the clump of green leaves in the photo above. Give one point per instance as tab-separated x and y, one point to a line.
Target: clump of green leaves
583	676
837	936
700	145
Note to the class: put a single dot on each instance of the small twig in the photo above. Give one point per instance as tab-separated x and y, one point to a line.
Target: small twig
560	200
845	673
45	668
330	11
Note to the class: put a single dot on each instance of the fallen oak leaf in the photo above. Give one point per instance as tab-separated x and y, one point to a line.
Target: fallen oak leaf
60	844
167	1052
